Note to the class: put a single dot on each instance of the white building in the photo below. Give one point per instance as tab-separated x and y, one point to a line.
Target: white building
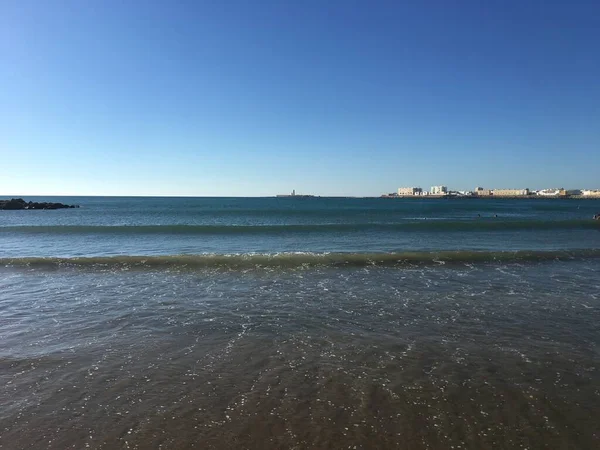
481	192
410	191
549	192
591	193
439	190
510	192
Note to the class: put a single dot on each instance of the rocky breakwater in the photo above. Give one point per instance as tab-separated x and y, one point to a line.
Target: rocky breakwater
19	203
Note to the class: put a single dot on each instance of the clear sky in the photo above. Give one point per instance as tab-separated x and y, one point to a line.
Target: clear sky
105	97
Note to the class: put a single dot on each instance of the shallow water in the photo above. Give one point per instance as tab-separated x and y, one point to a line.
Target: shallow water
413	350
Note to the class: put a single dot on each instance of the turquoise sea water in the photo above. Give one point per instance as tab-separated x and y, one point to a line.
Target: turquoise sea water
300	323
172	226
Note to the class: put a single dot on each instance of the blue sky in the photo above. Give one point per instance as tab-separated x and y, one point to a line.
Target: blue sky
330	98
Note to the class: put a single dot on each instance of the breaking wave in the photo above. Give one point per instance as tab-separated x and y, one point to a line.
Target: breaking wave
294	260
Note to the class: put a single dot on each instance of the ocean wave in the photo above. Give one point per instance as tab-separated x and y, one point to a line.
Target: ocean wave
425	225
295	260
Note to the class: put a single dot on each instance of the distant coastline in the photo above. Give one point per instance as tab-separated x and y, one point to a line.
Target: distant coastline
492	197
293	194
442	191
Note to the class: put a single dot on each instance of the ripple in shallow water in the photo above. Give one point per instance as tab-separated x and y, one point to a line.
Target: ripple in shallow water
486	356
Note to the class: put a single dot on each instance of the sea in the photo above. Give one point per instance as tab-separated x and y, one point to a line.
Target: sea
300	323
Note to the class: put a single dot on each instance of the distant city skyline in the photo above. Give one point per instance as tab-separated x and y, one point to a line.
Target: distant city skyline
451	188
479	191
335	99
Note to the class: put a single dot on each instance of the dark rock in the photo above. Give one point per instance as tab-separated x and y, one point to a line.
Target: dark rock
19	203
14	203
